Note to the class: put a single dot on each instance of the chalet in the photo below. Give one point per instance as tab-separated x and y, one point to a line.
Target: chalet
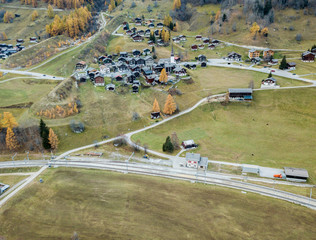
240	93
308	56
138	22
296	174
105	68
159	25
147	71
132	61
291	66
149	61
202	58
137	82
198	37
151	25
194	47
182	38
215	42
124	54
203	64
273	61
157	68
201	46
80	66
146	51
129	32
170	67
253	53
122	67
151	43
125	28
135	68
138	38
110	87
135	88
122	60
233	56
137	19
33	40
156	32
176	40
180	71
313	50
151	78
194	160
206	40
140	62
134	29
191	66
98	81
130	77
119	78
256	60
211	46
155	115
141	33
269	83
3	187
19	40
81	76
136	53
188	144
160	43
268	53
136	74
147	33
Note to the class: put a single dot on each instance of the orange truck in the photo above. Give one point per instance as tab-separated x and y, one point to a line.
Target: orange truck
277	175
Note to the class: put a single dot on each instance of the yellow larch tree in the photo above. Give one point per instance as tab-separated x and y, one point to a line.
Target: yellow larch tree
53	139
254	29
170	106
8	120
156	107
217	15
10	140
163	76
50	11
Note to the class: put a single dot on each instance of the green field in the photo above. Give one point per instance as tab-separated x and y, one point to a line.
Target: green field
118	206
11	179
24	90
277	128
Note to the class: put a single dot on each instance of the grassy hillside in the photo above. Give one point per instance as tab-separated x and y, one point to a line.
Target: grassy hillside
23	27
118	206
276	130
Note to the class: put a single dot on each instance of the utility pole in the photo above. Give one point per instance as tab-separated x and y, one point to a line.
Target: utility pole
128	161
13	158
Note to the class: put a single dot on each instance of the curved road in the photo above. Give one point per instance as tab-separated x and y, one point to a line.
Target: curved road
33	74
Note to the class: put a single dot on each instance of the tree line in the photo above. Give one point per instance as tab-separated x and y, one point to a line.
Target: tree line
73	25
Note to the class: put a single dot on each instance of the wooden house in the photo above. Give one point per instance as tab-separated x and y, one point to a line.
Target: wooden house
180	71
202	58
268	53
253	53
138	38
135	88
98	81
233	56
188	144
201	46
198	37
110	87
124	54
206	40
159	25
240	93
194	47
203	64
291	66
215	42
308	56
80	66
136	53
211	46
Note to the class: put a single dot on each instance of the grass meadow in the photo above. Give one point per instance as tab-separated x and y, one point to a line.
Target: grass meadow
277	129
118	206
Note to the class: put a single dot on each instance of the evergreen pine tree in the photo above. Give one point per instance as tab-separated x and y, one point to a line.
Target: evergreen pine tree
44	132
283	64
167	146
270	75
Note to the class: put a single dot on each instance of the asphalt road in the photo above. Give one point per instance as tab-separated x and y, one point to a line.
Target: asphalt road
33	74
